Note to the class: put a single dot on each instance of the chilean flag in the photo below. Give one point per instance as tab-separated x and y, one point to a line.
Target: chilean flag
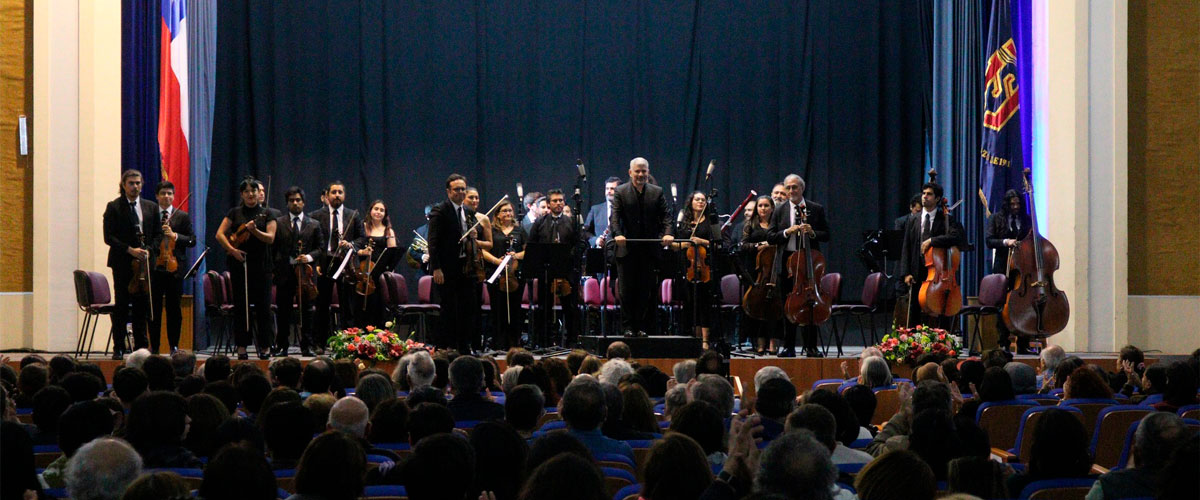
173	97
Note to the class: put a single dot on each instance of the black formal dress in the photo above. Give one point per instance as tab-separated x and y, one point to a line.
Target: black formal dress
168	286
786	215
125	229
942	232
293	233
251	281
507	316
335	226
373	313
636	215
459	296
1001	226
560	229
756	328
698	297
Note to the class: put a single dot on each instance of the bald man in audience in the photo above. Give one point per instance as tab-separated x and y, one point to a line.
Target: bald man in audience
351	416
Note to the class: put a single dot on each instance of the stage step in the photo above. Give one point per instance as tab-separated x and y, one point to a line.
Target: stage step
655	346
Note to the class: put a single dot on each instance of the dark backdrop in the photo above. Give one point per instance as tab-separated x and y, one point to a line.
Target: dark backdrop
391	99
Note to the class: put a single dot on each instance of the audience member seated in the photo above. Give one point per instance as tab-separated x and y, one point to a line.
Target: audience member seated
613	370
701	422
565	476
875	373
996	386
518	356
524	406
1086	383
862	403
977	476
767	373
160	373
189	385
500	455
1178	476
776	399
18	478
710	362
32	379
590	366
575	359
1157	437
654	381
558	373
252	390
184	362
970	371
618	350
714	390
675	398
1023	377
156	427
928	371
48	405
287	428
80	424
896	475
491	373
510	378
428	419
441	467
1181	388
426	394
333	467
1153	381
135	359
794	465
1060	450
224	391
350	415
822	423
894	435
996	357
206	413
285	372
345	376
278	395
846	428
1048	361
239	430
552	444
615	426
216	368
421	370
466	382
935	439
684	371
238	471
373	389
320	404
1064	370
676	467
102	470
583	409
637	411
157	486
389	424
82	386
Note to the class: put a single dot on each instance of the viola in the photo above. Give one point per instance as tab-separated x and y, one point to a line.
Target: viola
510	283
698	270
140	283
1035	306
762	300
306	286
364	285
807	304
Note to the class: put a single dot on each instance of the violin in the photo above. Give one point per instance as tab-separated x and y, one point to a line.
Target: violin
140	284
762	300
510	283
166	251
306	286
807	304
698	270
940	293
364	285
241	234
1035	306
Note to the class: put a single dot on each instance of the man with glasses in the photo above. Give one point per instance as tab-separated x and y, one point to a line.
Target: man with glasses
448	222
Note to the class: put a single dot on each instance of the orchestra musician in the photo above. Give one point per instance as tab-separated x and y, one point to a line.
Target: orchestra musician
1005	230
377	236
557	227
340	228
293	231
779	194
695	227
485	224
418	250
131	229
930	228
177	224
448	258
914	208
508	238
250	267
785	230
639	211
735	233
755	236
532	212
597	218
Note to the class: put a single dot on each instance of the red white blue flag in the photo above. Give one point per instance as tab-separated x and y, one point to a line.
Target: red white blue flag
173	97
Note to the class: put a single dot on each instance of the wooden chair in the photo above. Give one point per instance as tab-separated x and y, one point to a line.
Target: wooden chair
1190	411
887	404
1090	408
1058	489
1109	434
1024	440
829	384
1001	421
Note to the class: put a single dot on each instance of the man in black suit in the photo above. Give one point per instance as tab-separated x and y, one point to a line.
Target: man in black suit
297	241
448	221
597	217
340	227
639	211
914	208
930	228
557	227
1005	230
177	225
787	227
131	230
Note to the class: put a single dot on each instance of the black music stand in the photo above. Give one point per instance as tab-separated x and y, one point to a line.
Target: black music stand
546	261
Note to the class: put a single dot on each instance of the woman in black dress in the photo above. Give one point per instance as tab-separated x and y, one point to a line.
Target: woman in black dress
377	236
698	296
508	238
754	237
250	267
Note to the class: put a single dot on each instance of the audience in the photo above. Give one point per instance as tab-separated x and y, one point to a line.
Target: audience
524	406
184	362
157	425
675	468
238	471
565	476
1181	388
615	426
701	422
500	455
428	419
215	369
1085	383
466	382
441	467
48	405
1060	450
207	413
287	429
637	411
875	373
896	475
674	399
157	486
613	370
160	374
1157	437
332	468
767	373
862	402
684	371
1023	376
373	389
102	470
776	398
80	424
714	390
574	360
389	424
583	409
351	416
618	350
285	372
320	405
796	465
996	386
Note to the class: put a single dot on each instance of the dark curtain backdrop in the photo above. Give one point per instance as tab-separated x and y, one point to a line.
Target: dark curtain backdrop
141	27
392	98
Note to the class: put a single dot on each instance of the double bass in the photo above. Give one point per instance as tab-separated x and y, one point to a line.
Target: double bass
807	304
1035	306
940	293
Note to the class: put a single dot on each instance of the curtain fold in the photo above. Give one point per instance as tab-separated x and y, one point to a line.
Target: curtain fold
202	58
141	27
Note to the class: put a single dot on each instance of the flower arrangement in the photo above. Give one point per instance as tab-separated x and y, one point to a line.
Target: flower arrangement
905	345
372	344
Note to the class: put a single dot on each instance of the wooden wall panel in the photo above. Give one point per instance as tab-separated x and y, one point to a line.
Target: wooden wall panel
1164	148
16	175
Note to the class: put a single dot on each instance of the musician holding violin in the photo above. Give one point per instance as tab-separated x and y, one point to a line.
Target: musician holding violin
378	236
340	228
169	266
450	225
556	227
697	240
508	239
931	228
246	233
793	220
131	229
297	247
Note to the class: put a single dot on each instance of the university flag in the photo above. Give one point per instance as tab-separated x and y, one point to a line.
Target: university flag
1001	166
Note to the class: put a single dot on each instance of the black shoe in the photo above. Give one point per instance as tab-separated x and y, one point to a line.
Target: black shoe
787	352
118	355
813	353
279	353
306	352
265	355
629	334
642	334
243	356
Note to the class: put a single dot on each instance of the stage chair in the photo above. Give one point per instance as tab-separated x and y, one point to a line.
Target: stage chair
384	492
595	301
1058	489
94	299
731	304
1024	440
1107	438
872	300
398	288
668	304
1091	409
991	300
225	335
1001	420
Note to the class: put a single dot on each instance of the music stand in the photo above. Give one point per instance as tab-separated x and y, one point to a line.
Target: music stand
190	274
548	261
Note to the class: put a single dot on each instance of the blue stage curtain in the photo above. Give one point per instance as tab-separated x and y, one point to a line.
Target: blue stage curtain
141	22
202	60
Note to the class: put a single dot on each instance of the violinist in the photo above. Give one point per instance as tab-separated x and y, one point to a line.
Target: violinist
787	229
250	267
508	238
177	225
556	227
293	232
755	233
930	228
1005	230
448	222
340	228
695	231
378	235
485	224
131	228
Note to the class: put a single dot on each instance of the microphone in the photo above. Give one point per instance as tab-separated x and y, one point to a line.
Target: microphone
582	170
674	191
520	192
712	165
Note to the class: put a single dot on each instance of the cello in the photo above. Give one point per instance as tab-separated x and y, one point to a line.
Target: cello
940	293
762	300
806	304
1035	306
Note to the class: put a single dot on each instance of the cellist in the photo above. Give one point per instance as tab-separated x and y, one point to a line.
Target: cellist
930	228
786	229
294	231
